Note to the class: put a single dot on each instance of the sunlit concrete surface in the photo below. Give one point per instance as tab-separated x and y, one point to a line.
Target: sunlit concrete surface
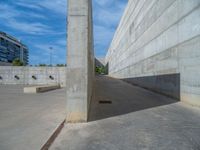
28	120
137	119
156	46
80	60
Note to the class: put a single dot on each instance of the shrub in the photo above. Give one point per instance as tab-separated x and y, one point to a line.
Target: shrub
17	62
101	70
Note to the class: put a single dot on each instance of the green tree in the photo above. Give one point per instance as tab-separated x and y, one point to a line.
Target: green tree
60	65
17	62
101	70
42	65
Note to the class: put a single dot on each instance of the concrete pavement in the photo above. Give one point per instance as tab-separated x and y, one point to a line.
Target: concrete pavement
136	119
28	120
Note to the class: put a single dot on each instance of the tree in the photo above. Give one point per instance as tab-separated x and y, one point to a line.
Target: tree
17	62
42	65
100	70
60	65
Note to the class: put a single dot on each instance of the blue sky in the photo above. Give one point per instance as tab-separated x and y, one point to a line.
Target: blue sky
41	24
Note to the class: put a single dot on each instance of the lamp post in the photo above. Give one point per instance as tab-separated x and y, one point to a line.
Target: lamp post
50	59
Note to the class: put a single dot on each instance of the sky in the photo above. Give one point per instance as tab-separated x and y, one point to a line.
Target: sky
41	24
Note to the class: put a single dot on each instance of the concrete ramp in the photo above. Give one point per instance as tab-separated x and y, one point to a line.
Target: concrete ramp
135	119
114	97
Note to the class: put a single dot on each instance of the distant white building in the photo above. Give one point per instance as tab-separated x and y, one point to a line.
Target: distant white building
11	48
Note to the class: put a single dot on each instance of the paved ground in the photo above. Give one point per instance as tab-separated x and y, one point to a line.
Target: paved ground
28	120
137	119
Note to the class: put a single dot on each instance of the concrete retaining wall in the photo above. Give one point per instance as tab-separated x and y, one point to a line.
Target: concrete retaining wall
157	42
80	60
5	64
33	75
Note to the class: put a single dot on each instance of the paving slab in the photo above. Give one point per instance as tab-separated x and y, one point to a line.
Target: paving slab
28	120
136	119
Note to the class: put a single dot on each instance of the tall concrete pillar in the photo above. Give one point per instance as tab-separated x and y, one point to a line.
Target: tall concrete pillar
80	60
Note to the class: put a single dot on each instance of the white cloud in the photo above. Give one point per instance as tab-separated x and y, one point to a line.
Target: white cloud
12	18
7	12
102	34
10	12
108	18
58	6
28	5
30	28
107	14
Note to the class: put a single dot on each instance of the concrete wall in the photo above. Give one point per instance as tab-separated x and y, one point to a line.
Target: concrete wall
24	75
80	60
5	64
157	46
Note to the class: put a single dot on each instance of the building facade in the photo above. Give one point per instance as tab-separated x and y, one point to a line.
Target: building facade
157	47
11	48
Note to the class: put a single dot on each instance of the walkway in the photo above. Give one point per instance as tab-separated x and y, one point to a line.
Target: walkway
28	120
126	117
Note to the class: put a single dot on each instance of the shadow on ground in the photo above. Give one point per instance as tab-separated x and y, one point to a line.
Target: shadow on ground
113	97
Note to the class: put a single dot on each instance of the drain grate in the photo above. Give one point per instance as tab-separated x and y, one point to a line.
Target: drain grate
50	141
105	102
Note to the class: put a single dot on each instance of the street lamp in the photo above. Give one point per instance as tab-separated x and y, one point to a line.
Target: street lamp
50	58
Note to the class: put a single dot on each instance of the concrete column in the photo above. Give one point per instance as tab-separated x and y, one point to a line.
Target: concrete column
80	60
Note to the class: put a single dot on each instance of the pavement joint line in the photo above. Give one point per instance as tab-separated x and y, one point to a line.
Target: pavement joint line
52	138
